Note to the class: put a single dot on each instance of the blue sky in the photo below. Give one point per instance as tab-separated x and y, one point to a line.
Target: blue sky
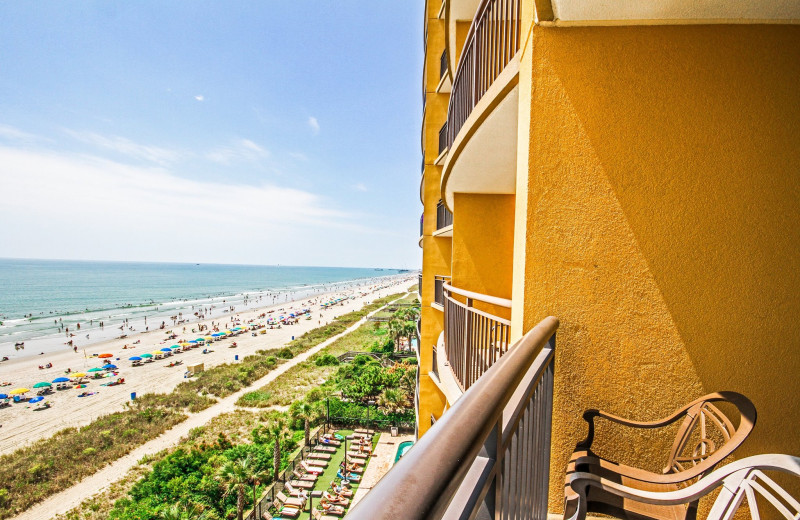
256	132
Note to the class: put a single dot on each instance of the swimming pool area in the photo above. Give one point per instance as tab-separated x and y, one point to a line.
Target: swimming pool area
402	448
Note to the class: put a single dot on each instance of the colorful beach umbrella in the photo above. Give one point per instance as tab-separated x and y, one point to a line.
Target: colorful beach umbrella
167	349
18	391
43	384
103	356
79	374
36	399
147	355
208	338
109	367
173	346
3	396
185	344
158	352
95	369
61	380
134	358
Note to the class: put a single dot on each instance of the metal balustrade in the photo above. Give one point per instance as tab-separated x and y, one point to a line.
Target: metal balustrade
443	64
438	290
443	138
474	339
444	217
488	456
493	41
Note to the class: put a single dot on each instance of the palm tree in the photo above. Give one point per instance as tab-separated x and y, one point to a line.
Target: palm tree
392	400
235	475
307	412
183	512
277	429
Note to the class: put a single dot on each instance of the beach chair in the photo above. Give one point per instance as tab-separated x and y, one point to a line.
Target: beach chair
320	456
319	516
347	493
295	492
312	469
308	477
705	437
332	509
335	500
368	432
329	441
302	484
284	511
325	449
291	501
358	455
741	481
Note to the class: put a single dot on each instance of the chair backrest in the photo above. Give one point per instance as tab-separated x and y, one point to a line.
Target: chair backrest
281	496
289	488
706	436
751	484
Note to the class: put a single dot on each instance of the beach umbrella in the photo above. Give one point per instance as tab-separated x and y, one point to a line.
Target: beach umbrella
173	346
3	396
159	352
216	335
79	374
102	356
18	391
185	344
95	369
193	341
147	355
109	367
36	399
168	349
43	384
61	380
208	338
134	358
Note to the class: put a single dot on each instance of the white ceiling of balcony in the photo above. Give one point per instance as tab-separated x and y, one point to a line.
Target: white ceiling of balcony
675	11
488	162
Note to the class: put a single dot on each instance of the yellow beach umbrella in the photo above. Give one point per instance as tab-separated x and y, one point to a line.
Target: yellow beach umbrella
79	374
186	344
157	353
18	391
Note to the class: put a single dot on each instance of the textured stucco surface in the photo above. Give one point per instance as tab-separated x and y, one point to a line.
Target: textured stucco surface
483	242
663	226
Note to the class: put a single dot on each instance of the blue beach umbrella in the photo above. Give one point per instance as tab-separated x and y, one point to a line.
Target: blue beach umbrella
3	396
109	367
36	399
134	358
61	380
167	349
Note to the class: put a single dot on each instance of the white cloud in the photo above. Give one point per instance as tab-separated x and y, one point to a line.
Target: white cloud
314	124
15	134
155	154
238	150
199	97
360	186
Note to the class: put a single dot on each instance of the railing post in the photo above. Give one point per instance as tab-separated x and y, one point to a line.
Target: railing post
467	341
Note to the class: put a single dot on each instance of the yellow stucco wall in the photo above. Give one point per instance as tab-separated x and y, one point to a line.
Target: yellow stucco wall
483	242
663	225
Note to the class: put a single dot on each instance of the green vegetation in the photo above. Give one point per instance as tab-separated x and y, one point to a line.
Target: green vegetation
48	466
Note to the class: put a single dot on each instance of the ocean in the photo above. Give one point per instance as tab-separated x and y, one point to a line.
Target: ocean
40	299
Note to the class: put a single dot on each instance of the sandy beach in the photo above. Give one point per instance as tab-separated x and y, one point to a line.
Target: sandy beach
23	423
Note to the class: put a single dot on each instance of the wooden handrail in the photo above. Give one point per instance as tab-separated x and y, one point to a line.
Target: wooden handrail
462	459
493	300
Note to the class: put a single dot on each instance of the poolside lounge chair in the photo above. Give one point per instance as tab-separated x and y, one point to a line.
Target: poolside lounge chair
284	511
301	484
705	437
312	469
330	441
332	509
318	462
362	430
742	480
319	516
320	456
308	477
334	499
325	449
291	489
347	493
357	455
291	501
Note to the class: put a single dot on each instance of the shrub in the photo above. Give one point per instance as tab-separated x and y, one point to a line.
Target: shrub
326	360
285	353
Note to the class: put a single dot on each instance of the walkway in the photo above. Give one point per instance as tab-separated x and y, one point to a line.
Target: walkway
381	462
72	497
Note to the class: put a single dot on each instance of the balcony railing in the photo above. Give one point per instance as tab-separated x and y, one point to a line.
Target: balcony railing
443	64
438	289
489	455
493	40
419	285
444	217
474	339
434	362
443	138
421	223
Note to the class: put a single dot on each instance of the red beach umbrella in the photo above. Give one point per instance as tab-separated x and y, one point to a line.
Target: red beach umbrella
105	355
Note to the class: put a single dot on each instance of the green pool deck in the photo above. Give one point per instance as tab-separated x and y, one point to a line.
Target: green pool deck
329	475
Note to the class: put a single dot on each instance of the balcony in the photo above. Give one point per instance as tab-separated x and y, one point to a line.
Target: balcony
489	455
442	144
438	291
482	113
444	221
445	79
474	339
